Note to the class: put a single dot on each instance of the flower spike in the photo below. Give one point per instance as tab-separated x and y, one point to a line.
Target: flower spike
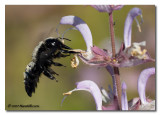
142	81
81	26
91	87
128	25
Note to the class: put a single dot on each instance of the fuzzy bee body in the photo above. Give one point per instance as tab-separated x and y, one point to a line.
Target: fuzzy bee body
42	59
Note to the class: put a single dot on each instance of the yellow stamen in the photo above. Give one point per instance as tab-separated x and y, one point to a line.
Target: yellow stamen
139	28
144	51
68	93
115	61
137	52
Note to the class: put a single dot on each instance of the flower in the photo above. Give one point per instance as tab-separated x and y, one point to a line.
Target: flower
127	56
110	99
83	28
130	54
124	97
143	103
142	81
91	87
128	25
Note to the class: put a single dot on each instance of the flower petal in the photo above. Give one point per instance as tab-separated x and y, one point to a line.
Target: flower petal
134	55
128	25
90	86
142	81
81	26
124	97
93	89
117	7
134	62
107	8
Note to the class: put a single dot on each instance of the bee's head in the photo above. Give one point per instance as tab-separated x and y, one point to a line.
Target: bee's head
53	42
56	42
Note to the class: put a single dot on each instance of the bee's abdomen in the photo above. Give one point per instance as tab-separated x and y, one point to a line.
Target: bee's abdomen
31	77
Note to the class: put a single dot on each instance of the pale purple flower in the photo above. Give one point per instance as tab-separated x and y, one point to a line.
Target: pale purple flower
126	57
124	97
130	54
81	26
91	87
111	101
128	25
107	8
142	81
143	103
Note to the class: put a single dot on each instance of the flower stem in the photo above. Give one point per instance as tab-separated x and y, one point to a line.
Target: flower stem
116	69
112	34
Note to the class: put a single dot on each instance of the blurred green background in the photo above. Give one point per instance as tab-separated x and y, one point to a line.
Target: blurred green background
27	25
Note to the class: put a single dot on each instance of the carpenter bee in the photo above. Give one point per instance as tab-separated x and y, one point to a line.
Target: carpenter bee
42	59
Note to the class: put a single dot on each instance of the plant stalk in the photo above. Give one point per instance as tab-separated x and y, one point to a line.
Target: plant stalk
116	69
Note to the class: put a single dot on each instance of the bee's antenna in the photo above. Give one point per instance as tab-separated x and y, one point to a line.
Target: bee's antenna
73	28
64	39
57	29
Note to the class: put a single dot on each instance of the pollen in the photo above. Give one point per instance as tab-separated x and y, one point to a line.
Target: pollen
74	62
68	93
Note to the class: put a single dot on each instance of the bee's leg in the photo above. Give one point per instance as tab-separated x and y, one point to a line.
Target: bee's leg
57	64
65	46
52	72
67	51
64	38
59	54
49	62
62	55
48	74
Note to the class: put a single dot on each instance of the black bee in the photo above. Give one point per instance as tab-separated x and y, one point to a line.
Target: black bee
42	59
